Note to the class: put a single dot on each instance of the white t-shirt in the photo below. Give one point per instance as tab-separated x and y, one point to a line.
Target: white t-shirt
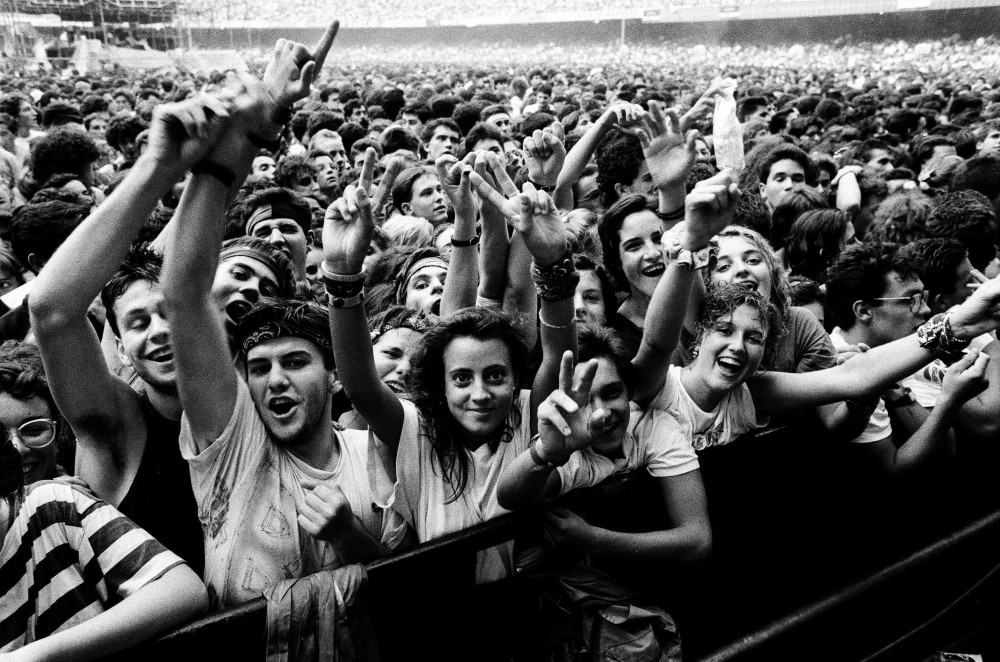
925	384
247	488
652	442
879	426
423	493
733	416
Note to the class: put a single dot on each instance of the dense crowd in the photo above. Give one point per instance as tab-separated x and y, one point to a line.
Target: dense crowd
260	326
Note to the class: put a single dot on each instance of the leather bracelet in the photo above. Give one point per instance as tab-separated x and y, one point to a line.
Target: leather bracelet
543	187
464	243
671	216
329	274
537	458
216	170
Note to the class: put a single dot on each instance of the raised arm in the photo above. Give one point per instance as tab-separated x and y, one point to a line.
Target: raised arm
347	233
623	114
848	191
494	244
708	208
462	283
98	406
872	372
534	216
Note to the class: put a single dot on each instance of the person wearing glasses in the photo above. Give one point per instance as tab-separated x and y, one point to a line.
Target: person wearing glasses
874	297
81	579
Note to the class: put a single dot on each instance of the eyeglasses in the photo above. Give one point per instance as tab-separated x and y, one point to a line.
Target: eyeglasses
38	433
916	301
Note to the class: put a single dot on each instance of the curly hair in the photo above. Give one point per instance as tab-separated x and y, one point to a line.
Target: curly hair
900	218
619	158
723	300
858	274
292	169
779	279
936	261
967	216
62	150
124	130
426	385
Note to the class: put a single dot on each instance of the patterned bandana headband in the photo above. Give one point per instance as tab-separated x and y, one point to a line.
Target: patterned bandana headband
422	263
286	329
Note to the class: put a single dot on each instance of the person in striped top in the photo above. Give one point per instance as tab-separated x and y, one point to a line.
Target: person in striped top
79	580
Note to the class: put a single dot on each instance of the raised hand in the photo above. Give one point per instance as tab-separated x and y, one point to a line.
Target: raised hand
454	177
709	208
380	195
628	116
701	107
347	231
564	416
326	513
182	133
669	155
544	154
492	168
533	214
290	73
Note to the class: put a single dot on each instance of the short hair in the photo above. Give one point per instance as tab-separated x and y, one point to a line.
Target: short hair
619	159
352	105
285	318
397	138
421	110
299	124
39	228
980	173
323	119
351	132
609	229
858	274
140	264
60	113
402	188
466	115
814	241
748	106
790	206
482	131
936	261
967	216
587	263
11	103
291	169
595	342
409	230
279	196
430	127
62	150
22	374
493	109
783	152
361	146
803	291
536	122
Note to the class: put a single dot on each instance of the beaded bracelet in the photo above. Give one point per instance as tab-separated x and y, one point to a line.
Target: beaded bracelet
556	281
936	335
542	321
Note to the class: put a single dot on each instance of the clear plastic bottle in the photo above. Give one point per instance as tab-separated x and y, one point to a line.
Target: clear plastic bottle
726	130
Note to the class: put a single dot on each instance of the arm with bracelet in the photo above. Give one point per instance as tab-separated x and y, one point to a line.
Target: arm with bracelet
462	282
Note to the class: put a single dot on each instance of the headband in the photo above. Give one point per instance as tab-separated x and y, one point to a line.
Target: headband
279	210
287	328
431	261
246	251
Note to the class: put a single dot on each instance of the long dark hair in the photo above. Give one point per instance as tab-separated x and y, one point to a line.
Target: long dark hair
427	379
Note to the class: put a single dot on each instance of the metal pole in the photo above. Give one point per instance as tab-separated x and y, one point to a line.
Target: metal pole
104	24
622	41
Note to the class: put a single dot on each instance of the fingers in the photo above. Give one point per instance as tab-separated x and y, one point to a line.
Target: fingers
551	411
488	194
323	46
392	171
443	167
566	366
368	169
689	141
499	170
585	380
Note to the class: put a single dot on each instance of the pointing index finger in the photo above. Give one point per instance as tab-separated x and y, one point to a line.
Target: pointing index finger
323	47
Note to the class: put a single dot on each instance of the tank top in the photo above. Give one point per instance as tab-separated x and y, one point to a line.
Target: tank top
161	499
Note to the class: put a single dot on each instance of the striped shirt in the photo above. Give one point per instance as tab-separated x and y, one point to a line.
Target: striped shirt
67	558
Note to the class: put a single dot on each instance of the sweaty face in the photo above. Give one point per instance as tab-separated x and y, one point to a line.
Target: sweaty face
393	352
240	282
640	251
36	463
424	290
609	407
443	141
784	176
730	351
145	334
290	388
589	299
427	200
285	235
739	261
479	386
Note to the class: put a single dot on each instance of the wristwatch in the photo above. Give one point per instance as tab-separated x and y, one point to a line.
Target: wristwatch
693	260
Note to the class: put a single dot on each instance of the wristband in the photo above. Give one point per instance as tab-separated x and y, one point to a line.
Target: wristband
329	274
464	243
556	281
542	321
693	260
537	458
341	287
542	187
936	335
345	302
216	170
671	216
